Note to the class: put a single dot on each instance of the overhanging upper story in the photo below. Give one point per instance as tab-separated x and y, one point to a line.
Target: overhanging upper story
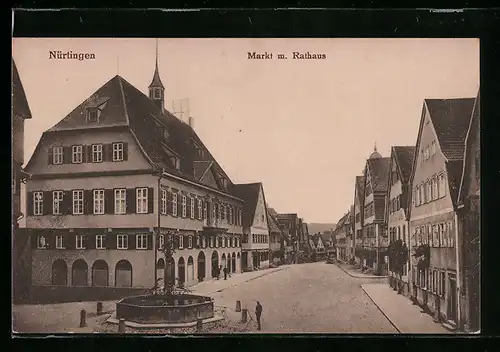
438	162
398	183
376	175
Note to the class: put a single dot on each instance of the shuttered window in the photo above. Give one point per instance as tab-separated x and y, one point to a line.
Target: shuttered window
192	207
163	201
142	200
57	155
174	204
120	201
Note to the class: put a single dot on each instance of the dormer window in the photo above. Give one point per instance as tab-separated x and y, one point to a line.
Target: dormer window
92	115
223	182
176	162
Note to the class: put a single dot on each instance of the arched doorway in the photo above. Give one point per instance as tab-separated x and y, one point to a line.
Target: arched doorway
59	273
190	269
170	279
223	261
100	273
238	260
182	271
160	268
201	266
228	261
123	274
233	261
79	273
215	263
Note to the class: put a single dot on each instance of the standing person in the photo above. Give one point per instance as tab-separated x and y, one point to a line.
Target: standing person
258	313
225	273
218	272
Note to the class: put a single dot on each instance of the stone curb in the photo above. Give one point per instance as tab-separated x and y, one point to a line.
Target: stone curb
361	276
237	284
380	309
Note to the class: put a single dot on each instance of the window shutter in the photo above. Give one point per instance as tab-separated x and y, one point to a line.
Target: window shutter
131	242
47	203
169	202
188	207
110	241
50	156
151	199
109	202
66	155
131	204
34	240
67	202
89	241
70	241
88	201
29	203
125	151
87	153
150	241
107	152
179	204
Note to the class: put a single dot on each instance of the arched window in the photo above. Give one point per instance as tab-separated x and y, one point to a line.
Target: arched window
190	269
160	268
59	273
182	271
79	272
100	275
123	274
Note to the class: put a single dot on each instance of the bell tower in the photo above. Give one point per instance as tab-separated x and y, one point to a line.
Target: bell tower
156	88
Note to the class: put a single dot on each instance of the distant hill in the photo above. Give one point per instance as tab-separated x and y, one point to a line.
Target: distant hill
316	227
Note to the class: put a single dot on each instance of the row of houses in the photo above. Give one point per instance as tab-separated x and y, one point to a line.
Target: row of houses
118	181
415	214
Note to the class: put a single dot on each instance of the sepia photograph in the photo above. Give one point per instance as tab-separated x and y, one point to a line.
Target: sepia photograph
245	185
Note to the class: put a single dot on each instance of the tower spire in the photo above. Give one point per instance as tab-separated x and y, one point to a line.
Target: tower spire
375	147
156	88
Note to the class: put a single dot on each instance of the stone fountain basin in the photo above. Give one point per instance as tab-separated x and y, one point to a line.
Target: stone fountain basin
177	308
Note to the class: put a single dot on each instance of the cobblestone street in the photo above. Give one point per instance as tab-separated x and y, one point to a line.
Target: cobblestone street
303	298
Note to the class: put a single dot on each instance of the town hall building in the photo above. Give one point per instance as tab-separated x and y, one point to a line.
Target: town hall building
115	181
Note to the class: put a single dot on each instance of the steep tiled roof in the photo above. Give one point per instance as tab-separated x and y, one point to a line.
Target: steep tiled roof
360	184
451	118
273	212
249	192
404	158
272	222
124	105
326	237
470	140
379	173
20	105
342	221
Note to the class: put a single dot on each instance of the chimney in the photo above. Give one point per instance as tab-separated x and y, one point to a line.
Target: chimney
190	122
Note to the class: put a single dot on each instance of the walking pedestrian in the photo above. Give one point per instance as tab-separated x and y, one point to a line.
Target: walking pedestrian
225	273
258	313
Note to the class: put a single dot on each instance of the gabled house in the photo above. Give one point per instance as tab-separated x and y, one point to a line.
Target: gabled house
328	241
276	239
290	224
21	249
359	199
117	180
375	240
305	234
319	247
341	234
396	213
469	231
255	243
435	180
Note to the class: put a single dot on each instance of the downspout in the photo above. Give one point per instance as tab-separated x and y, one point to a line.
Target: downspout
457	264
157	235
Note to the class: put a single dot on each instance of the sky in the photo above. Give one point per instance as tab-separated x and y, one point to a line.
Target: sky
304	128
